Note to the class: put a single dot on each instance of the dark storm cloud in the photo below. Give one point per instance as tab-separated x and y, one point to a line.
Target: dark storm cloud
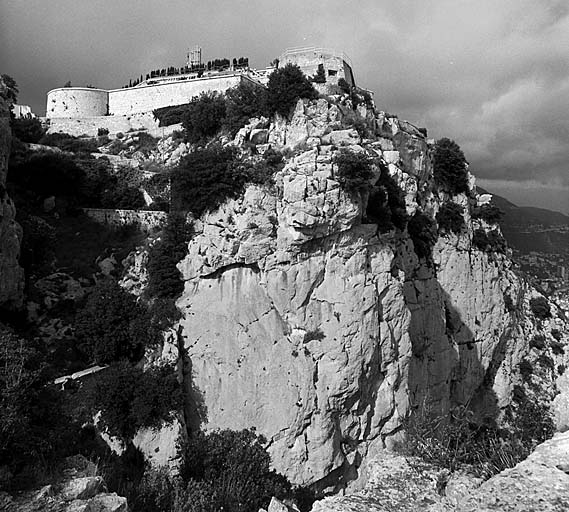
492	75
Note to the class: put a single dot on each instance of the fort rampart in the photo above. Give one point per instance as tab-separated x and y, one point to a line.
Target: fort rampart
84	102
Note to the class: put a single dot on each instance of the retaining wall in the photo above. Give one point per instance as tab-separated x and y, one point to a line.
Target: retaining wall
115	124
144	219
149	97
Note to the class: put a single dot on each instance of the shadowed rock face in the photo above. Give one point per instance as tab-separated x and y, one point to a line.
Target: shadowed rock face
11	274
324	334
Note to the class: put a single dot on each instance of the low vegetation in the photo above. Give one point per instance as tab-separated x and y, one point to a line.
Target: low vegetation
458	441
205	179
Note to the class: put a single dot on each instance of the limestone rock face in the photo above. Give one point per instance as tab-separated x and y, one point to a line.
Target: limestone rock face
323	333
11	274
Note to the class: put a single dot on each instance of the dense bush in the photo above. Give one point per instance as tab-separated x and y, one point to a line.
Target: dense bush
354	170
28	129
286	85
450	166
204	116
130	398
492	241
540	308
164	279
236	467
113	325
123	197
489	213
67	142
48	174
34	431
38	243
167	116
206	178
422	230
450	218
537	342
242	103
386	204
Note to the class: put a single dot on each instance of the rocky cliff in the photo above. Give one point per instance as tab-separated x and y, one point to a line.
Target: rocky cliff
11	274
304	320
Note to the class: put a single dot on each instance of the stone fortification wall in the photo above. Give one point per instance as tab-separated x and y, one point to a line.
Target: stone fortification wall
90	125
147	98
145	220
308	60
77	102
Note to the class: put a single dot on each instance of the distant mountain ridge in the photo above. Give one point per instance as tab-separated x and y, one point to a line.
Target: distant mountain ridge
528	228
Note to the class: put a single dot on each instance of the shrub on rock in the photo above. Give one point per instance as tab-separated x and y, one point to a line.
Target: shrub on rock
450	167
242	103
449	218
354	170
540	308
286	85
422	230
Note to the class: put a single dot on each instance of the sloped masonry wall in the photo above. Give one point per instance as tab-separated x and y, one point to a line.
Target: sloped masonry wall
89	126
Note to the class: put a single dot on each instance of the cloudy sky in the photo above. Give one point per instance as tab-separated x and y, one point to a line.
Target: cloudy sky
491	74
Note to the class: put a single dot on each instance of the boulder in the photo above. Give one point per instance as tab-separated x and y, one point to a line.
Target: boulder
107	502
345	137
259	136
82	488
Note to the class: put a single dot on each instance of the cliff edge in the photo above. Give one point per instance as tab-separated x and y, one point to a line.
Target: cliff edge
11	274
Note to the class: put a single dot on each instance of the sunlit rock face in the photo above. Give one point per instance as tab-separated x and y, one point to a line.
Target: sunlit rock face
304	321
11	274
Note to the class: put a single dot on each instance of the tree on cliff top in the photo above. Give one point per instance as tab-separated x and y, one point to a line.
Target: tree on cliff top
10	91
286	85
450	170
204	116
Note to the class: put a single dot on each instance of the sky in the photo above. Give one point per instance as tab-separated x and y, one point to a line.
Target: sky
491	74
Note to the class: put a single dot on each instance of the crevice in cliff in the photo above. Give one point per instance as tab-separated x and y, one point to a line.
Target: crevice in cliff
221	270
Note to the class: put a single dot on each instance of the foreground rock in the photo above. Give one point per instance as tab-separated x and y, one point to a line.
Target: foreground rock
541	482
399	484
79	491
